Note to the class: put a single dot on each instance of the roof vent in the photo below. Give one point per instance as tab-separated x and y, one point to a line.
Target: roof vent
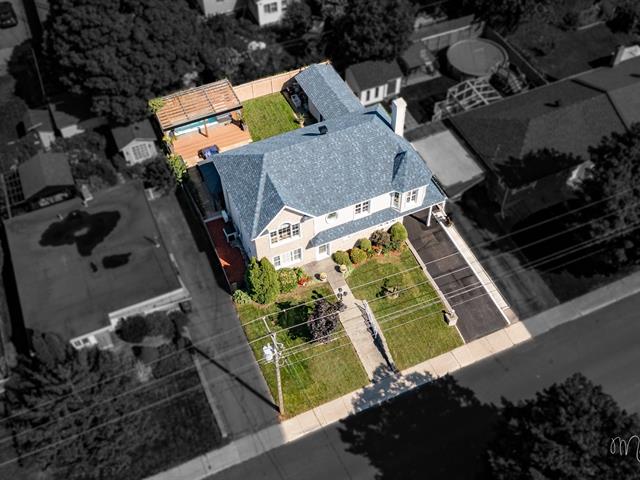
322	129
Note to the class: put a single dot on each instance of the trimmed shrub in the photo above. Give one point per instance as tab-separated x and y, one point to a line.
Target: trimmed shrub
159	324
132	329
398	234
381	238
288	280
357	255
300	273
391	286
365	244
270	281
240	297
341	258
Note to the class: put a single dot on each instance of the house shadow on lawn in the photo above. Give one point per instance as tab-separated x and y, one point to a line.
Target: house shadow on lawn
293	317
439	430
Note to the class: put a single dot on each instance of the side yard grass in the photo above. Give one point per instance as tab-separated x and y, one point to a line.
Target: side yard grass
413	323
268	116
314	373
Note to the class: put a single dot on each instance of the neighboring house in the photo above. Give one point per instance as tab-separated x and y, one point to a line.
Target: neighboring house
136	142
374	81
300	196
268	11
202	117
80	269
566	117
220	7
46	179
38	120
71	115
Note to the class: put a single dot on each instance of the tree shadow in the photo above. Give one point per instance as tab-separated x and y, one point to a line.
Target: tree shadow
294	317
436	430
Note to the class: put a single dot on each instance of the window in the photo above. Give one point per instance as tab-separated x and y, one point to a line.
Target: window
77	343
412	196
86	340
362	208
140	152
332	217
271	7
287	258
367	95
285	232
324	250
395	200
285	4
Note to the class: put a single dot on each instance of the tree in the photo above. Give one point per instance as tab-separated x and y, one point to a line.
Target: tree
297	19
564	432
57	402
611	181
324	319
156	174
625	15
132	329
270	281
399	235
253	278
502	15
371	31
121	53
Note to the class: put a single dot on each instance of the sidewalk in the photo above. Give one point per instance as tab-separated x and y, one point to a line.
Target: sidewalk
255	444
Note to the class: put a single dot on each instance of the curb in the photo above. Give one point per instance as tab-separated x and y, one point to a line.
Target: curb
253	445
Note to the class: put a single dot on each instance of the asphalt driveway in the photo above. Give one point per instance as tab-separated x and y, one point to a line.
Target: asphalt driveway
477	314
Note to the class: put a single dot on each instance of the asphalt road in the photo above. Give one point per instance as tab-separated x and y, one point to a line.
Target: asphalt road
443	433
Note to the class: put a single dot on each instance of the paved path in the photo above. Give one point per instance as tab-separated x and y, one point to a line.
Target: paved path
494	346
236	384
602	345
353	321
477	313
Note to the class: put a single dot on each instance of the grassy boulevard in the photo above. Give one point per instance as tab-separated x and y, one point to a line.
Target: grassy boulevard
412	323
317	374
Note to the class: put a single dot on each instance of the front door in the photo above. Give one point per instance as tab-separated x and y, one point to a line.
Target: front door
324	250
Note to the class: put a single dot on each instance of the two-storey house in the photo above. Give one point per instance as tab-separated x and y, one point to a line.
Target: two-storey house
300	196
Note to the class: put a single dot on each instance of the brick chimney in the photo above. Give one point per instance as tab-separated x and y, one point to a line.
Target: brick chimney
398	112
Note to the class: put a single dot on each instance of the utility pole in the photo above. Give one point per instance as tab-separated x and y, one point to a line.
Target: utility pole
272	353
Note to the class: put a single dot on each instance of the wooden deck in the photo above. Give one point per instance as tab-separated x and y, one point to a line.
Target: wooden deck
226	137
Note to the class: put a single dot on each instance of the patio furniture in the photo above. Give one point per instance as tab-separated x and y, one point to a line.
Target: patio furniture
230	233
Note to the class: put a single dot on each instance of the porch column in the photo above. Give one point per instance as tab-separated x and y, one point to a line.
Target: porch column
429	216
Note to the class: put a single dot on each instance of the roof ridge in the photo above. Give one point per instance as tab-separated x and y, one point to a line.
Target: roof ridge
256	214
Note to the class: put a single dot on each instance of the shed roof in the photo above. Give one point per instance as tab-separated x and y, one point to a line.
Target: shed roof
142	130
359	157
45	169
197	103
327	91
372	73
72	273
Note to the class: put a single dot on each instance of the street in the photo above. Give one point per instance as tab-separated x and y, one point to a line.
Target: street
445	432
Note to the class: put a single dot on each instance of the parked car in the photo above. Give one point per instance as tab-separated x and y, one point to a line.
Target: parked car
8	17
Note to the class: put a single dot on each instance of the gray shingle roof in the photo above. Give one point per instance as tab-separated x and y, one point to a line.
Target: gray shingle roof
357	159
327	91
142	130
374	73
45	169
434	195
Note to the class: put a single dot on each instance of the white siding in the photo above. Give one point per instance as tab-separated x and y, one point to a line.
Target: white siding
257	8
215	7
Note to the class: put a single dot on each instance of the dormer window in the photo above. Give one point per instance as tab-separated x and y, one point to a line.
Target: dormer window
411	196
332	217
284	232
395	200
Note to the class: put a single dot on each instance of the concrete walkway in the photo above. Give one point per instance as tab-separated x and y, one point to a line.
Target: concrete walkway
353	321
277	435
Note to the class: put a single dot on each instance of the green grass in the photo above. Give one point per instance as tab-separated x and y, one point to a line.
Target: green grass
268	116
314	376
413	332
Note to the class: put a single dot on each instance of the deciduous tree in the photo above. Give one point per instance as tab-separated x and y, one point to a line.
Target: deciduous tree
121	53
324	319
566	432
57	402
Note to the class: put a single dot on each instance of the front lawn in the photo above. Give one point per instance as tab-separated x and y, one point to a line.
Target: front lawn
316	374
268	116
413	323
